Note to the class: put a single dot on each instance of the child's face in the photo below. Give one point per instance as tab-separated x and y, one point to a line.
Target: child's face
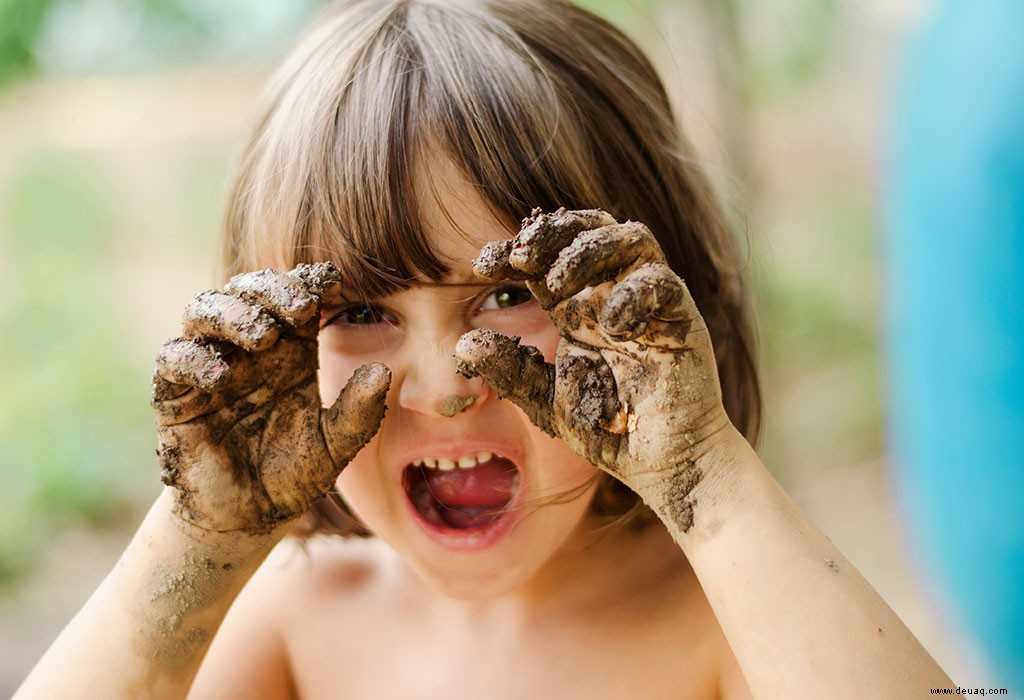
471	532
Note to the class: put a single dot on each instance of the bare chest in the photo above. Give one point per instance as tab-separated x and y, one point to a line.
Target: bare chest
593	662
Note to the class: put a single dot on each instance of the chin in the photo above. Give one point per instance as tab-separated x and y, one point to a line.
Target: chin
509	565
469	518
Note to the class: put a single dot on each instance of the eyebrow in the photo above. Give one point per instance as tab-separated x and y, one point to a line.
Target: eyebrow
344	295
452	284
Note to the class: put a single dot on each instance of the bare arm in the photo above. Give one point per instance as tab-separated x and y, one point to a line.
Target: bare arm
634	389
800	618
245	447
144	632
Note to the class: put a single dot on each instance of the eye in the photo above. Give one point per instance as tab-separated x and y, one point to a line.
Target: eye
506	297
358	314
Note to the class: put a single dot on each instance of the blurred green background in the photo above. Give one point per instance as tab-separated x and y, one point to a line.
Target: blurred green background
118	121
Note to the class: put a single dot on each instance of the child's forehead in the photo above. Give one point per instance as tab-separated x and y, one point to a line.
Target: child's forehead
451	235
457	222
449	202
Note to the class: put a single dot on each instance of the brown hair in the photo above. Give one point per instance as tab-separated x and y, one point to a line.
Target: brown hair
539	102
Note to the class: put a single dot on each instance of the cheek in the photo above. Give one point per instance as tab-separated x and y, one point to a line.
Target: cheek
542	335
363	490
557	471
560	468
530	323
340	353
335	371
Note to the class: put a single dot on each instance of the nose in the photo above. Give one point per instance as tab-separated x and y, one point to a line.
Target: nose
429	384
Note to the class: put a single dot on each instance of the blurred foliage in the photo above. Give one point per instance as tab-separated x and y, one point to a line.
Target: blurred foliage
765	62
21	22
70	426
79	36
778	46
817	299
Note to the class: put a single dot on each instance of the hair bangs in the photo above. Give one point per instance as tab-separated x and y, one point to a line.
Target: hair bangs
423	80
362	210
489	103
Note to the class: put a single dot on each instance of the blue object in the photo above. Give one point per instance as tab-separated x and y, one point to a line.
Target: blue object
955	328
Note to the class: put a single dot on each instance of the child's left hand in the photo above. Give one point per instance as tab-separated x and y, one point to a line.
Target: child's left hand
634	387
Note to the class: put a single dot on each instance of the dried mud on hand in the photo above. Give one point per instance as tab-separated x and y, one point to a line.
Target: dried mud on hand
243	438
634	387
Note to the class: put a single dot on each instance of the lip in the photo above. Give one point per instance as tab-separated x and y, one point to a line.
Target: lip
480	538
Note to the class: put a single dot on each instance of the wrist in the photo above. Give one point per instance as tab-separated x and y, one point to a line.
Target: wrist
684	491
240	544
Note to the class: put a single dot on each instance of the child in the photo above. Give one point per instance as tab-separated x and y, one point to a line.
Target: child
606	532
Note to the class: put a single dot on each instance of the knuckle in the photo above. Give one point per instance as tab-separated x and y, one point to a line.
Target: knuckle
205	307
319	278
280	294
493	263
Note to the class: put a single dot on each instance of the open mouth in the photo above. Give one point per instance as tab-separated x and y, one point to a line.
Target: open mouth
467	493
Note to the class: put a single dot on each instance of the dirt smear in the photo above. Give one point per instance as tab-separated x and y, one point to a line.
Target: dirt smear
176	597
591	389
322	279
451	406
492	263
253	446
680	502
182	364
543	236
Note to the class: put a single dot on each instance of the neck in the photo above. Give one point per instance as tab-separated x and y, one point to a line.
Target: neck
600	567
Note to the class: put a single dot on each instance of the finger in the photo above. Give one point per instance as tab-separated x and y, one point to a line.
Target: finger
600	255
543	236
282	295
219	316
492	263
164	390
322	279
356	414
518	372
182	364
652	291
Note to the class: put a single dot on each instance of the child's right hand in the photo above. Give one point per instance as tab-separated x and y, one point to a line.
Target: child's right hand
243	438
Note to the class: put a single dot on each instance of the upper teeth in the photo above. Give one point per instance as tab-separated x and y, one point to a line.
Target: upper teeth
447	463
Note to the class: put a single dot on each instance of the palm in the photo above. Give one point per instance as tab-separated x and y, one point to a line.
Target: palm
246	443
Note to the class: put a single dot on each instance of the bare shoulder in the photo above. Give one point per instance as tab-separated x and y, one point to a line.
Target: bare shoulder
325	565
306	598
325	579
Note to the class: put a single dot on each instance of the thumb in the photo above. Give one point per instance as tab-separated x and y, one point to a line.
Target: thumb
356	414
518	372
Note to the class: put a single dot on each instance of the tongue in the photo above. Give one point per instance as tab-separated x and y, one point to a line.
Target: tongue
492	483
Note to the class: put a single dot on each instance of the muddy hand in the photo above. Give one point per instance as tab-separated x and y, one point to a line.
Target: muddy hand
634	387
243	437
